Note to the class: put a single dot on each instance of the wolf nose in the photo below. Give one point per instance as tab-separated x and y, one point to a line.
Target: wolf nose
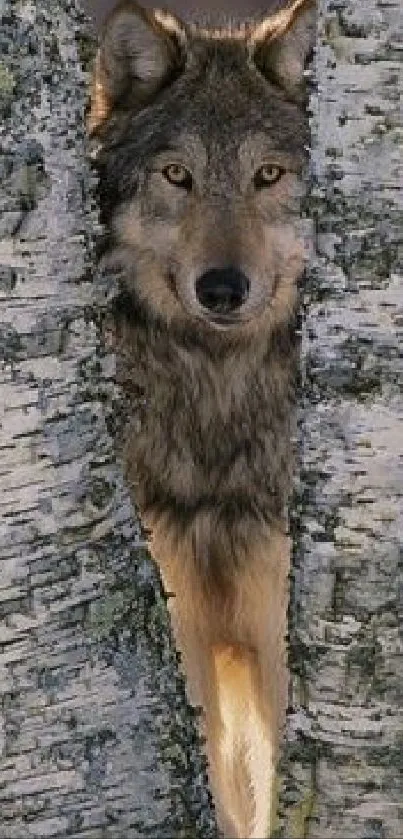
222	290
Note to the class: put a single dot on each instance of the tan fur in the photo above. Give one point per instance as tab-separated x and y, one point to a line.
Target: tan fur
235	663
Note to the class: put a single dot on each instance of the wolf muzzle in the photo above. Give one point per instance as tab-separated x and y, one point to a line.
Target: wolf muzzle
222	290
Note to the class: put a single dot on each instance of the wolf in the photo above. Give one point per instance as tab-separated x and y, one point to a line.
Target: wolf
202	136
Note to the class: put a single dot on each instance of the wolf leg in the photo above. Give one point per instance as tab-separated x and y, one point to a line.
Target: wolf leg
252	683
194	621
234	661
234	667
202	678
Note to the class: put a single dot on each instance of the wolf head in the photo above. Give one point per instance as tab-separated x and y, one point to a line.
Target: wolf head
203	139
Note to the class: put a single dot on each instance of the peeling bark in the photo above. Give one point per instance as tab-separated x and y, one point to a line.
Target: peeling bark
343	759
96	738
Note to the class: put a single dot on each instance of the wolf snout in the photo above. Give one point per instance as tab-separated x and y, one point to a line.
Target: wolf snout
222	290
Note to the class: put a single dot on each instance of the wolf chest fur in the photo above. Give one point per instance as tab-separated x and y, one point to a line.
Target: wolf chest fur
202	146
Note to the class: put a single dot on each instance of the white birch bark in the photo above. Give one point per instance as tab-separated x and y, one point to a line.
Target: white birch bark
343	761
96	739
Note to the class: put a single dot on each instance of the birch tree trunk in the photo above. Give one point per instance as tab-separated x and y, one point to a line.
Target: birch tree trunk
96	739
343	761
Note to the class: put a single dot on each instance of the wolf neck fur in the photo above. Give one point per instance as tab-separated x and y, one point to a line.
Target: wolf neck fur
214	423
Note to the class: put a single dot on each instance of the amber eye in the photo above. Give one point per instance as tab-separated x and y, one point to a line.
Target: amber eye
267	175
178	175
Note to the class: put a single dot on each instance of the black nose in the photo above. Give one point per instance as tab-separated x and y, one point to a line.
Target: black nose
222	290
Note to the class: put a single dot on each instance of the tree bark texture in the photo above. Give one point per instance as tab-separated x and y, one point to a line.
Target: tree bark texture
96	738
343	759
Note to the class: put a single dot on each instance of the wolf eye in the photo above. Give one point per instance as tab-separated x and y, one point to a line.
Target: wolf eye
267	175
178	175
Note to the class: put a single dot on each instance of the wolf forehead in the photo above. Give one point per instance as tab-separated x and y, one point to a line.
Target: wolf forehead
226	104
220	91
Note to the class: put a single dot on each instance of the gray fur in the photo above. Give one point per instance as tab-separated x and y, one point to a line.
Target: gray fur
209	450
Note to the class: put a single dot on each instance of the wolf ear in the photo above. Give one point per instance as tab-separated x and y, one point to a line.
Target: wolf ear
140	51
282	43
